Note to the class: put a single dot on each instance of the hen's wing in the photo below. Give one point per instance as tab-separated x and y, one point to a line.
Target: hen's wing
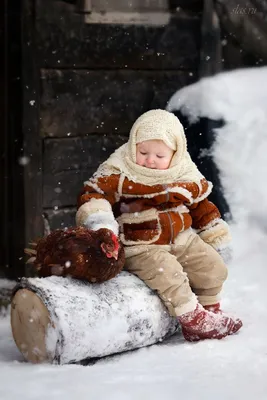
60	253
77	252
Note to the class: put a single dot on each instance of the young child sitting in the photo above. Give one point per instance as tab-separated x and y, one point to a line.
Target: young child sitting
151	193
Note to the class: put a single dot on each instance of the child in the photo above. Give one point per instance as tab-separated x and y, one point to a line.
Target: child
151	193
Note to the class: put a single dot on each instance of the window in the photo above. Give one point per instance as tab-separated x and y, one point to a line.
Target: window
133	12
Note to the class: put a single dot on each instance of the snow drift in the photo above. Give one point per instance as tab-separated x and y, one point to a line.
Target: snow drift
239	98
232	368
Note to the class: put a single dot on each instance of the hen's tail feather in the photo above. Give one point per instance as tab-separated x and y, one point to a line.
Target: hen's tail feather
30	252
33	244
31	260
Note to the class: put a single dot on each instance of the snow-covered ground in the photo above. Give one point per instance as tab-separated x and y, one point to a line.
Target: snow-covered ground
235	367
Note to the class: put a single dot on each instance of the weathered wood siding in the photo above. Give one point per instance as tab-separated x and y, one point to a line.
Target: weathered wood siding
93	82
81	87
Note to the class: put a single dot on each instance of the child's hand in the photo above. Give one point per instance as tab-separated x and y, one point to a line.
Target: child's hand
217	234
102	219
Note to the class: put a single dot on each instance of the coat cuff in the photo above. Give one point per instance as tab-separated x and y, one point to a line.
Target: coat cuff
91	207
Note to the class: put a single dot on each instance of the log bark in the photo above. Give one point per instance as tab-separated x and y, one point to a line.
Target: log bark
62	320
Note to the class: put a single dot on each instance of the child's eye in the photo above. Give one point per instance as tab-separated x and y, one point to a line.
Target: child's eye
160	156
142	153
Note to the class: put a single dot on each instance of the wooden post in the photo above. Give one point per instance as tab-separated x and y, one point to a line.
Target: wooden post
3	141
31	132
12	201
210	54
210	64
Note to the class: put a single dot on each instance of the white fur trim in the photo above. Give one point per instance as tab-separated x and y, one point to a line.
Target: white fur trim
138	217
135	218
204	195
181	190
127	242
182	219
181	209
212	223
176	189
120	184
148	215
90	207
94	185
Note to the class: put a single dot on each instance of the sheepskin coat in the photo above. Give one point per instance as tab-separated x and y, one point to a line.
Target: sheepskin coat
151	206
148	214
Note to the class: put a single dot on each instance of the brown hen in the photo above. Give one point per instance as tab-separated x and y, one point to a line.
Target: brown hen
95	256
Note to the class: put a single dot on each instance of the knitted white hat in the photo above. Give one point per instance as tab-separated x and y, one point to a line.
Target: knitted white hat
152	125
158	125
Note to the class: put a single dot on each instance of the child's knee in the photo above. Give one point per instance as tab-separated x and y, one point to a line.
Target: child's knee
213	274
217	270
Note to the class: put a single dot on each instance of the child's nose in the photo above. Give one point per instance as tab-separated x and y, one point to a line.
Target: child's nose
150	160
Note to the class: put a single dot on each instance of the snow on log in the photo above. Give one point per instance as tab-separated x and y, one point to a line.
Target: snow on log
63	320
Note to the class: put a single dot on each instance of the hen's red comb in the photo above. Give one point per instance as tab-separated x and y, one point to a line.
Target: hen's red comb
115	241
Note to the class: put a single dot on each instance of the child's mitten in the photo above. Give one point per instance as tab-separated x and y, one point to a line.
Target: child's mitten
96	214
217	234
102	219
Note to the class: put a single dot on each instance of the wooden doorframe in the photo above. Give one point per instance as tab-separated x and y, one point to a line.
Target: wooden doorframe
30	125
3	140
12	203
21	184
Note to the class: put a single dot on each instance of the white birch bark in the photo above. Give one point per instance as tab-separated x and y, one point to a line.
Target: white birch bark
95	320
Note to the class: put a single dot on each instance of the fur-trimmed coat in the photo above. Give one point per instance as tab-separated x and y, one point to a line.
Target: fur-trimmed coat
152	214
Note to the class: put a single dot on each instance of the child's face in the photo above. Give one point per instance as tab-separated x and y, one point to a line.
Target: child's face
153	154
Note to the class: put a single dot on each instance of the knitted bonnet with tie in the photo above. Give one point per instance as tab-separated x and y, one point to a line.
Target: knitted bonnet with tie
155	125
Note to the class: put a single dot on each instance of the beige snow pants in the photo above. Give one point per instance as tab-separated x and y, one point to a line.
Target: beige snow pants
182	273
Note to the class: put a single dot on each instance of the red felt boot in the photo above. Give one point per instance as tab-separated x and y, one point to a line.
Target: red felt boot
215	308
202	324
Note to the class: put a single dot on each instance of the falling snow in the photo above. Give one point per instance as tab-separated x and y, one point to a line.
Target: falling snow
231	368
24	160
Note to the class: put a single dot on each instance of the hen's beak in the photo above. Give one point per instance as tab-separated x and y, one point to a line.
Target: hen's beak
114	254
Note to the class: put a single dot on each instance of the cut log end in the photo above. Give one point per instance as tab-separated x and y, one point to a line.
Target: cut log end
30	320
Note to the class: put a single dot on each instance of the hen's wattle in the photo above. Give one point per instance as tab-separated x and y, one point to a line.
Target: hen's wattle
78	252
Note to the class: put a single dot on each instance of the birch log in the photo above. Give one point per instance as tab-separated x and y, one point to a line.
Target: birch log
62	320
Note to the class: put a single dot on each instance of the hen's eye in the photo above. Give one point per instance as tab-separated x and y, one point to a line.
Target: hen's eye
108	247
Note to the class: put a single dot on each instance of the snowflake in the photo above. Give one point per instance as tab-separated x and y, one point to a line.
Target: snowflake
24	160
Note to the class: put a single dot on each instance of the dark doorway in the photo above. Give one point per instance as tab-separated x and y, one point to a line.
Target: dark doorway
11	143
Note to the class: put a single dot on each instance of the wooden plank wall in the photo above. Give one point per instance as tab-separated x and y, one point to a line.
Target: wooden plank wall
93	82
